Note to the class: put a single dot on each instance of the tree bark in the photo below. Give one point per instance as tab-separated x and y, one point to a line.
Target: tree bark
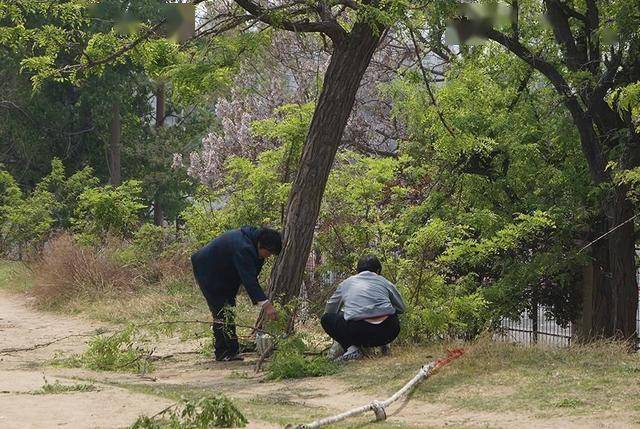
610	293
348	64
613	296
115	137
160	105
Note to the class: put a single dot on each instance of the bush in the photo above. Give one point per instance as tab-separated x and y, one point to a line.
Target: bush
68	269
212	411
24	222
28	223
289	362
108	210
145	247
66	190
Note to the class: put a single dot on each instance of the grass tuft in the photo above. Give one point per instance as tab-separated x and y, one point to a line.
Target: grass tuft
56	388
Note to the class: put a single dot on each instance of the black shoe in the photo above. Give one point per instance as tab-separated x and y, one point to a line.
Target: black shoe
229	358
385	350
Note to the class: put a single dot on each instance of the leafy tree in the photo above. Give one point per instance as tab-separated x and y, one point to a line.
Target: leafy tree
585	51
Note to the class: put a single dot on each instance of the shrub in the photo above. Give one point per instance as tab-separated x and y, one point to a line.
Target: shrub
68	269
108	210
211	411
66	190
446	317
149	240
289	362
27	223
24	222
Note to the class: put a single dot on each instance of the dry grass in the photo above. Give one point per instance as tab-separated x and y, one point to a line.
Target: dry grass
72	277
582	380
68	270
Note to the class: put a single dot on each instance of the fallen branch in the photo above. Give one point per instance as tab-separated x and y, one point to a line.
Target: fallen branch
207	322
379	407
41	345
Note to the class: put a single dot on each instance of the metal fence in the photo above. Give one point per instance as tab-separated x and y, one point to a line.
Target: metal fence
540	329
535	328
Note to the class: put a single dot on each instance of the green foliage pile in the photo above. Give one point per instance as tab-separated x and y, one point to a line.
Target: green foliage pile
289	361
120	351
212	411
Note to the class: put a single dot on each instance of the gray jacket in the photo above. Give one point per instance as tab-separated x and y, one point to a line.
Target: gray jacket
364	296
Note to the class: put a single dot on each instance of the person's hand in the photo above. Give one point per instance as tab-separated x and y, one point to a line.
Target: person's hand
270	311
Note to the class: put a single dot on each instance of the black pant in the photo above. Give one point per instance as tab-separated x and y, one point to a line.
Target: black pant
359	332
224	328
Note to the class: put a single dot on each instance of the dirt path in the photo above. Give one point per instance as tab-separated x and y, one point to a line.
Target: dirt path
120	397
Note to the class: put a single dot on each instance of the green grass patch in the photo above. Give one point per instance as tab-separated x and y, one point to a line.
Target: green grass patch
15	276
57	387
498	377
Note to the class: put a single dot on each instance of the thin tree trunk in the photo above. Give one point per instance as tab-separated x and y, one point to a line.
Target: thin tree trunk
160	105
115	137
342	79
158	214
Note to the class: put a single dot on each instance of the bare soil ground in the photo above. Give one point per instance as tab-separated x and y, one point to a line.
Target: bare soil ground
120	398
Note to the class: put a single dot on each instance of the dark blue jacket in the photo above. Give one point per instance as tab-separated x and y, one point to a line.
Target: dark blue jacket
227	262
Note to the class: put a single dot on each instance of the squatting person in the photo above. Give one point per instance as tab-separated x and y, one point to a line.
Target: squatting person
234	258
363	311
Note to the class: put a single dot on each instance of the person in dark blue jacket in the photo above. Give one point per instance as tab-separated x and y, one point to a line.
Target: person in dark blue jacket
234	258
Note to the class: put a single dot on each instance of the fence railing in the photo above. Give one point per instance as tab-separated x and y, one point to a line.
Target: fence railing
537	328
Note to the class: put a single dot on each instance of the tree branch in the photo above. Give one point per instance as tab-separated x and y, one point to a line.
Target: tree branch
521	88
427	84
329	27
584	124
562	31
572	13
126	48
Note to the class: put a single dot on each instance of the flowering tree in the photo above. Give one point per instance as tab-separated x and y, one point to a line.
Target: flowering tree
288	71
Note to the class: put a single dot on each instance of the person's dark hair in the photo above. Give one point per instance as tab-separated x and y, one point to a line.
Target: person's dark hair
369	263
271	240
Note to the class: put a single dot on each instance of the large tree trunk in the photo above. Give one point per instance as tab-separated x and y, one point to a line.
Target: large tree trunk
348	63
115	137
610	294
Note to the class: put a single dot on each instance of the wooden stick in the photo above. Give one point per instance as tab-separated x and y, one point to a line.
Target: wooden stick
379	407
